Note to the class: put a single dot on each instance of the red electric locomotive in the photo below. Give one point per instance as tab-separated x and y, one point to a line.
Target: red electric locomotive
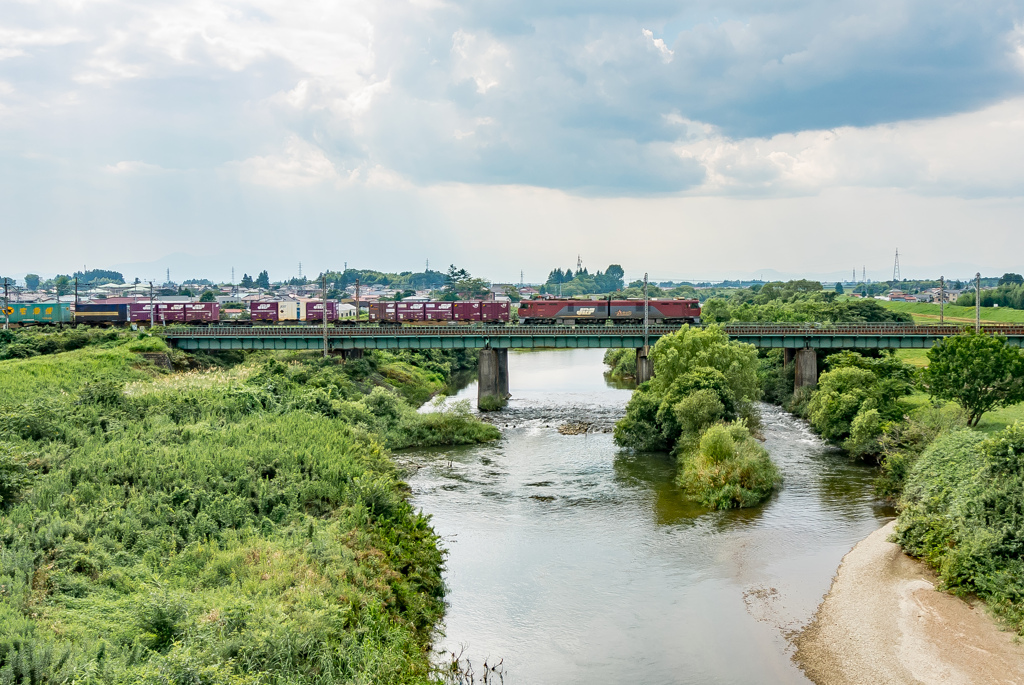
573	312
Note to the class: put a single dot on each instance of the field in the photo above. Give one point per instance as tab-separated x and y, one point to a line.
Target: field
924	312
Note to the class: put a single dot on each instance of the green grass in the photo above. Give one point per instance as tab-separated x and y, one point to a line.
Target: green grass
916	358
924	312
992	422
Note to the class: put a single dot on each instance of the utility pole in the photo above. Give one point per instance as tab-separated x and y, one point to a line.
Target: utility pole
977	302
152	307
323	285
76	294
7	306
942	300
357	301
646	315
896	270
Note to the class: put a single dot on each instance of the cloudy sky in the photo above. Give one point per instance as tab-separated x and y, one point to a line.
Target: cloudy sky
690	139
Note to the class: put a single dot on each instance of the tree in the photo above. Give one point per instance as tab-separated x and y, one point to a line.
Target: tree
979	372
839	288
1011	278
246	281
263	280
208	296
63	285
693	368
32	281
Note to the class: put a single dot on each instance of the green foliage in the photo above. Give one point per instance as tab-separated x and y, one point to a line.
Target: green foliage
794	302
1009	293
961	513
902	443
980	372
32	281
621	362
686	362
702	380
855	399
728	469
30	342
583	282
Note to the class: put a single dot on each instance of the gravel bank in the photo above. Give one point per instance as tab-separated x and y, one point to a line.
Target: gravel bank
883	622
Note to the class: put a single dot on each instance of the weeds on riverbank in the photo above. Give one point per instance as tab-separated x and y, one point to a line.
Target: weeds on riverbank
241	526
961	513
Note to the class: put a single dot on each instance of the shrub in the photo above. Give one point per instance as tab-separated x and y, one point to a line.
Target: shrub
728	469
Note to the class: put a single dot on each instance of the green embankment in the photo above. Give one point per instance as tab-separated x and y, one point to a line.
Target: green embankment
960	512
924	312
236	525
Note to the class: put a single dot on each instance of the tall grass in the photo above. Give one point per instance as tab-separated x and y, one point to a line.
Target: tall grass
239	525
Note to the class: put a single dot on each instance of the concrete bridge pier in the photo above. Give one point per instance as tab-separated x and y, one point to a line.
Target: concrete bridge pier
787	356
492	383
644	365
806	368
349	355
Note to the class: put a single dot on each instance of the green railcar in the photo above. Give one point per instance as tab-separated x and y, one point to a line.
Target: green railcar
28	314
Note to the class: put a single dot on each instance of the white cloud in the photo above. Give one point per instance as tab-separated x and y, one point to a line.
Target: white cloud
301	164
133	167
481	58
977	153
658	45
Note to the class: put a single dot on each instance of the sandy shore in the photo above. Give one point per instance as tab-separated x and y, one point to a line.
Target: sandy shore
883	622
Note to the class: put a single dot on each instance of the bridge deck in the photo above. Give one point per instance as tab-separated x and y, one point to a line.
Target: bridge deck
794	336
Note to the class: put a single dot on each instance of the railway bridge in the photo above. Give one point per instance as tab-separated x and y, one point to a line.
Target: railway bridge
800	341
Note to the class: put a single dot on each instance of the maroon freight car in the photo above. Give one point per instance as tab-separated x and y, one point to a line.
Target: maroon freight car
202	312
410	311
263	311
540	312
383	312
438	311
315	310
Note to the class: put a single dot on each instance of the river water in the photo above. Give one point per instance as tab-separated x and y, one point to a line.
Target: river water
575	562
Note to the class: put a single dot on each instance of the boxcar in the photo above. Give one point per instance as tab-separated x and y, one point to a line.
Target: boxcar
438	311
36	313
383	312
315	310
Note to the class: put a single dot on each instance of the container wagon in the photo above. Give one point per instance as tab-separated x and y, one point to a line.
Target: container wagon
103	314
38	313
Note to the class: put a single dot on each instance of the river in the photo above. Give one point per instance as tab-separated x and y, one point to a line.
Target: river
575	562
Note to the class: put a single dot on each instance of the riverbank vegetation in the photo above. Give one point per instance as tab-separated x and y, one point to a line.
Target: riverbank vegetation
238	523
699	407
960	512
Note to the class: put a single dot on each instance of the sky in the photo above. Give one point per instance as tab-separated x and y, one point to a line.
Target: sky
687	139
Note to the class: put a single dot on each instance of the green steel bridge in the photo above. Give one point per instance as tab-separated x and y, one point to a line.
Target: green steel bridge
343	338
800	341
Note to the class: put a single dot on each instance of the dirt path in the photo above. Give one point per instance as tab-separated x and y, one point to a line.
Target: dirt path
883	622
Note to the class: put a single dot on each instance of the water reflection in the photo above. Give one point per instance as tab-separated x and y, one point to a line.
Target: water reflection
576	562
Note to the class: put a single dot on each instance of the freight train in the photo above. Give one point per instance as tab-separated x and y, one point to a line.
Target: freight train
531	312
573	312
